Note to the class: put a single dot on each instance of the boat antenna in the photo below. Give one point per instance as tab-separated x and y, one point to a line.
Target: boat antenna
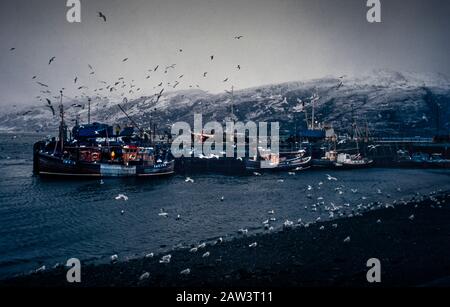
131	120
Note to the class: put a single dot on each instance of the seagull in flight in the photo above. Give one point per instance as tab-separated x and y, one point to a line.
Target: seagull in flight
204	74
330	178
238	37
42	84
211	57
51	60
101	15
50	106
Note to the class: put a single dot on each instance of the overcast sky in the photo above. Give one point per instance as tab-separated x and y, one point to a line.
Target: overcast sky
284	40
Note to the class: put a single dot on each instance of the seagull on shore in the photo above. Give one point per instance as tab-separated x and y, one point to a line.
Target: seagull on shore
271	211
412	217
193	250
122	196
114	258
189	179
186	272
288	224
149	255
146	275
243	231
253	245
219	241
256	174
165	259
347	239
203	245
41	269
205	255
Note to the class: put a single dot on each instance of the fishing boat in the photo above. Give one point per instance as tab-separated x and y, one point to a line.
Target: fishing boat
287	161
326	161
101	150
347	161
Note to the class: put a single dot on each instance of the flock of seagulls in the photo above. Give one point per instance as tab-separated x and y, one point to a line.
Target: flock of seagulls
108	91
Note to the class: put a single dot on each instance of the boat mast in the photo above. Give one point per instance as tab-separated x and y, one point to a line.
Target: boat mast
89	111
232	102
61	127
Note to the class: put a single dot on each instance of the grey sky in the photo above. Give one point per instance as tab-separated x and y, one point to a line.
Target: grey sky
284	40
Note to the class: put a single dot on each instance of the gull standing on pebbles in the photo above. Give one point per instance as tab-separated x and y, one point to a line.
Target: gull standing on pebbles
165	259
206	255
41	269
144	276
189	179
254	244
186	272
114	258
347	240
243	231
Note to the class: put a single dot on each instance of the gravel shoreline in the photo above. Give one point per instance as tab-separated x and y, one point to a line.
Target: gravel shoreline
412	241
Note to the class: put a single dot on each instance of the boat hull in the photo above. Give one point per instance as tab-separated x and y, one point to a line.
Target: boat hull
289	165
48	165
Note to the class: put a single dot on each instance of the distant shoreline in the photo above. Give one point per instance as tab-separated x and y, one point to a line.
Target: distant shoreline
411	240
